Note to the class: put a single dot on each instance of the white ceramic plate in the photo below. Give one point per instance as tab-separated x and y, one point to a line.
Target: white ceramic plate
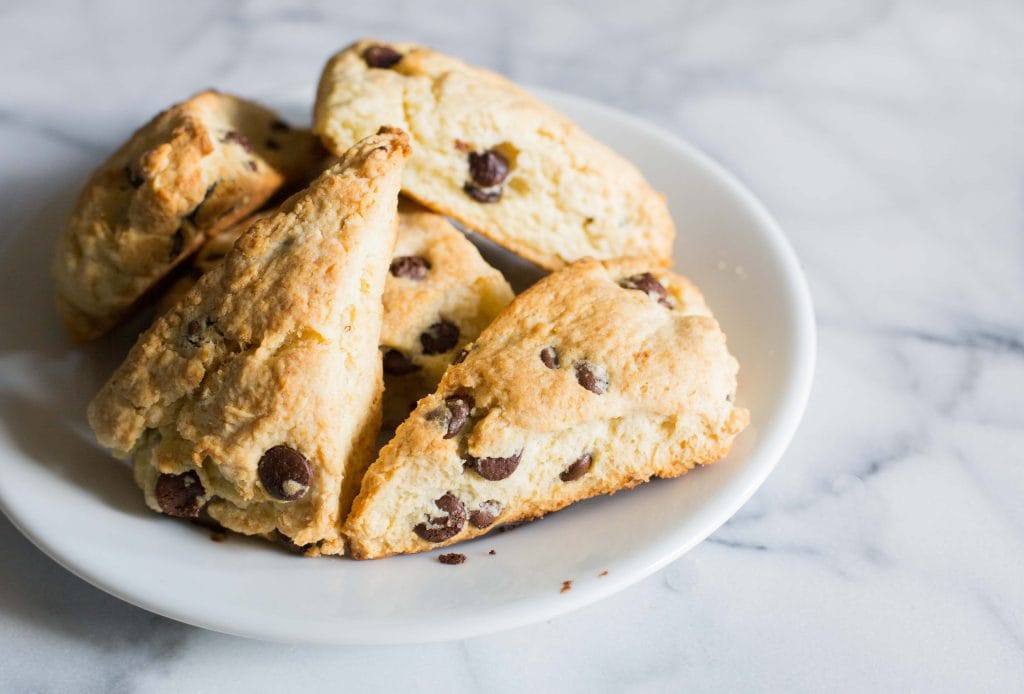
82	509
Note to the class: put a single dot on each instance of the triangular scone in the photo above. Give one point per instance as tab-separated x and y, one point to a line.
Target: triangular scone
255	400
596	379
193	170
440	295
489	154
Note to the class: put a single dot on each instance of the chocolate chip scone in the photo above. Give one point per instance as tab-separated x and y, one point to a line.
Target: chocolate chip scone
492	156
193	170
596	379
440	294
255	401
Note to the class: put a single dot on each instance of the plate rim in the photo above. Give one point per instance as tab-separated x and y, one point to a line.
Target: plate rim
772	445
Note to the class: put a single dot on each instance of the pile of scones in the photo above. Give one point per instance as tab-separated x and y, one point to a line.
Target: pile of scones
314	298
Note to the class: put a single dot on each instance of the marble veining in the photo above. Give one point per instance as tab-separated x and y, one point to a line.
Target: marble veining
886	553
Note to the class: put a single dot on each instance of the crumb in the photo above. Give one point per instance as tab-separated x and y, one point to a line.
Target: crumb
452	558
566	586
492	552
603	574
218	537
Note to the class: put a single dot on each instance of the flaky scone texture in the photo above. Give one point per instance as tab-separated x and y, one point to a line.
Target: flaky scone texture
269	361
597	378
439	296
492	156
193	170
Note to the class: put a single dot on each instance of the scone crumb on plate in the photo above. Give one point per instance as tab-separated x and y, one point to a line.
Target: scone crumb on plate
492	552
452	558
566	587
603	574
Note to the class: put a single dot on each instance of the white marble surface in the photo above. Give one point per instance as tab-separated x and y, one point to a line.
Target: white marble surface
887	550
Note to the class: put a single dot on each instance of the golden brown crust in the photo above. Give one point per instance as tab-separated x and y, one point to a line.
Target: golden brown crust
275	346
566	195
668	386
192	171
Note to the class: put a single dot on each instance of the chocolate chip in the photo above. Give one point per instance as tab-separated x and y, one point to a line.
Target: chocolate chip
461	356
588	377
194	333
279	126
486	514
481	195
549	356
648	284
495	469
397	363
411	267
177	243
238	138
441	528
381	56
288	544
492	552
439	337
488	168
452	558
285	473
577	469
273	144
459	407
178	495
135	179
253	166
191	216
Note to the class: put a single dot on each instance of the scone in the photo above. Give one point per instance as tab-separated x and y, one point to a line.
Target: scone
255	401
492	156
440	294
193	170
597	378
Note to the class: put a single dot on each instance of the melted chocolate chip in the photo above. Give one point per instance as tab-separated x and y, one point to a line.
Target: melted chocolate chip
411	267
549	356
461	356
178	495
459	407
486	514
272	144
135	179
495	469
648	284
488	169
441	528
177	243
482	195
577	469
588	377
238	138
279	126
381	56
452	558
397	363
285	473
439	337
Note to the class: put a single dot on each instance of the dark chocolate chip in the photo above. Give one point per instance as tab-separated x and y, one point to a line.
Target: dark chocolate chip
648	284
439	337
285	473
441	528
177	243
253	165
589	378
488	168
279	126
238	138
135	179
288	544
191	216
577	469
549	356
194	333
397	363
381	56
452	558
273	144
495	469
178	495
461	356
460	406
482	195
486	514
411	267
492	552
